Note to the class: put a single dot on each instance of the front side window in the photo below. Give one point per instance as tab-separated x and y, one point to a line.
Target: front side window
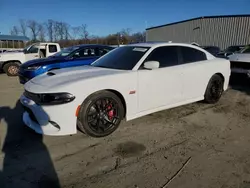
66	51
123	58
167	56
32	49
84	52
190	55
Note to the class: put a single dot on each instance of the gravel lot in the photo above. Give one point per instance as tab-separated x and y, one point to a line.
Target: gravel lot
196	146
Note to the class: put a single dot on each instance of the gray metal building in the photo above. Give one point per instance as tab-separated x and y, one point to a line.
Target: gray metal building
221	31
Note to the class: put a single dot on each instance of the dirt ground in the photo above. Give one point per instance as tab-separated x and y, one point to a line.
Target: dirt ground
196	146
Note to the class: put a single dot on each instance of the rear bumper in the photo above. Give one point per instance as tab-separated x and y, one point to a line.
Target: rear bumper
52	120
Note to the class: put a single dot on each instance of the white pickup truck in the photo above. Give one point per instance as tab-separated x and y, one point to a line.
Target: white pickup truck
10	62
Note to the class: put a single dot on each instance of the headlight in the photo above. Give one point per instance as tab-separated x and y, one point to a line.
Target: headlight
33	67
50	98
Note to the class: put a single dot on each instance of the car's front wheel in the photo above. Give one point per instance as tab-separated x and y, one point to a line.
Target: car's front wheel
100	114
214	89
11	69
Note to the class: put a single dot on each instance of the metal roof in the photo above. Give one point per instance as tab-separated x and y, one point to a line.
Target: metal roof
202	17
13	37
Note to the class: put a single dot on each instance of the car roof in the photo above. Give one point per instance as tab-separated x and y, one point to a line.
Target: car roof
92	45
209	46
158	44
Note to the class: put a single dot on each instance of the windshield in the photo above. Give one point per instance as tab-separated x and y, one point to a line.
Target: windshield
66	51
26	48
245	50
123	58
232	49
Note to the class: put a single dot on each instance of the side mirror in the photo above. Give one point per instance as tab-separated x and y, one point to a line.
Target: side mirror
151	65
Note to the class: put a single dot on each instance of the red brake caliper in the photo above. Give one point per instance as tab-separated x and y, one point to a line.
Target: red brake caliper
110	112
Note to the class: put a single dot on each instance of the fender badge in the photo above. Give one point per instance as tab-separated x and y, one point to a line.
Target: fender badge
132	92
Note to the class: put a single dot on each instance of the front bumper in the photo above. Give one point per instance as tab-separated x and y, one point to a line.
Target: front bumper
240	70
22	79
240	67
25	76
49	120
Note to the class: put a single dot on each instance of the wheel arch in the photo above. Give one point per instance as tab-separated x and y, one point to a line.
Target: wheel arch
117	93
11	61
221	75
121	97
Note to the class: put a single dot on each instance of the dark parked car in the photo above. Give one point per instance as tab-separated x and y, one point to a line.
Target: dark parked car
69	57
230	50
215	50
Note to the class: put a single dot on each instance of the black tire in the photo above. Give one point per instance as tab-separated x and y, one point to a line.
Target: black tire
100	114
214	89
11	69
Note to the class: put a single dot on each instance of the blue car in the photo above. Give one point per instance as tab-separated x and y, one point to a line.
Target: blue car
68	57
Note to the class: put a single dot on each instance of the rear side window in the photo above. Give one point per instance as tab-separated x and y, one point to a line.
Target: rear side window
190	55
52	48
167	56
85	52
103	51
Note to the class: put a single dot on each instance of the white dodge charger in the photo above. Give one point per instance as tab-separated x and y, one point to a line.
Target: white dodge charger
128	82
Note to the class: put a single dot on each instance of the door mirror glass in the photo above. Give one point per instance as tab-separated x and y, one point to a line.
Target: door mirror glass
151	65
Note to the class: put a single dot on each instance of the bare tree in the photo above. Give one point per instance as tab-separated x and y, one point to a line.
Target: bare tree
126	31
50	29
138	37
66	28
62	30
14	30
125	35
41	33
84	34
75	32
34	28
58	34
23	27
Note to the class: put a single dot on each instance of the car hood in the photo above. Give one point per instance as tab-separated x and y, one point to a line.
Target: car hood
42	61
11	55
63	77
239	57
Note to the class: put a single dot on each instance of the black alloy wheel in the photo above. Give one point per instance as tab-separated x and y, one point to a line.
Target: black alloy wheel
214	89
101	114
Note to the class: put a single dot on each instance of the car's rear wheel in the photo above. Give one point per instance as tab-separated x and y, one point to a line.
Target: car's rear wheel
214	89
100	114
11	69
